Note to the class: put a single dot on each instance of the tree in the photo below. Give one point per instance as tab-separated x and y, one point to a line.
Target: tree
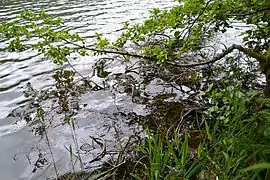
167	36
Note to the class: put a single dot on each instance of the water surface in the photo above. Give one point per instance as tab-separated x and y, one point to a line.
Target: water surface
19	149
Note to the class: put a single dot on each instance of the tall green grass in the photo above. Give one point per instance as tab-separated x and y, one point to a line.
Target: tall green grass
166	159
236	145
240	132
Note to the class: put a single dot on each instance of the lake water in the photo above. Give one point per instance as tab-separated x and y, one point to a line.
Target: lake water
19	149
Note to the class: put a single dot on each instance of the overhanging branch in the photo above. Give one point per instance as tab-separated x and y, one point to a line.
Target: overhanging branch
217	58
249	13
111	52
257	56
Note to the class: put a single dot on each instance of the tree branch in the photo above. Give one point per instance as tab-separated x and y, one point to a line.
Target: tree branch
249	13
257	56
110	52
196	19
261	58
217	58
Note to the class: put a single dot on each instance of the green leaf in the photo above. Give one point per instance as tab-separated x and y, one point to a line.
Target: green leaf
208	131
257	167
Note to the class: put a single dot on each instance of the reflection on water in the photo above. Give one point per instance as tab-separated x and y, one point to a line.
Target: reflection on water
85	17
16	69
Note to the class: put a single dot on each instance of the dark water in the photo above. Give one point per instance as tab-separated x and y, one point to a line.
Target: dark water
19	149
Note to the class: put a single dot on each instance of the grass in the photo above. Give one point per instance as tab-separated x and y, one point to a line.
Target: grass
236	144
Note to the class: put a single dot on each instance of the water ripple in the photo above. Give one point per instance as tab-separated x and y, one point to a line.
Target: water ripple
16	69
85	17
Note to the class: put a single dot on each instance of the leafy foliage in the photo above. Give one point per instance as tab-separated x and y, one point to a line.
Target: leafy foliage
236	144
168	34
240	133
39	28
165	35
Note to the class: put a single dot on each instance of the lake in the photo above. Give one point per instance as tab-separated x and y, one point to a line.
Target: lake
19	149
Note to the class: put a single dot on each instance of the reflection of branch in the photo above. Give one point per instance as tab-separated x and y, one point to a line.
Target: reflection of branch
84	78
102	145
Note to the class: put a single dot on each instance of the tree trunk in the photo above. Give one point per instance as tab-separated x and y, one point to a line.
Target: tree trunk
267	87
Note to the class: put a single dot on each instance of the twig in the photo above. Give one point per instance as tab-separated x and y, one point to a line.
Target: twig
75	141
50	149
110	52
196	19
102	145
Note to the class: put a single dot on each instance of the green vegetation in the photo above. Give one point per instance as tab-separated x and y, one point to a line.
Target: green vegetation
229	135
230	142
